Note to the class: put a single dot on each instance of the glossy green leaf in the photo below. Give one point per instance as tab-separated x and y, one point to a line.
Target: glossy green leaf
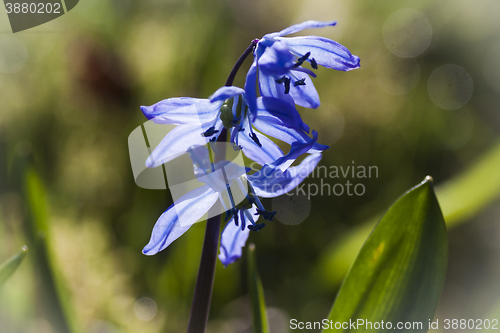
399	273
460	198
9	267
259	315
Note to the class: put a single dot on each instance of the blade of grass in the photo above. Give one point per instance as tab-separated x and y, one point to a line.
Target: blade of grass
50	288
9	267
259	315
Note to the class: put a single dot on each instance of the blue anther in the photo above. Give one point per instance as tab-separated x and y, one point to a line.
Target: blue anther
301	82
242	216
301	60
281	80
254	137
235	215
209	132
266	215
256	227
314	64
287	85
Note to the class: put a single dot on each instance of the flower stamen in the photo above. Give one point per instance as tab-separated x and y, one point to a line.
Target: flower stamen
314	64
301	82
254	137
287	85
256	227
301	60
281	80
242	217
209	132
266	215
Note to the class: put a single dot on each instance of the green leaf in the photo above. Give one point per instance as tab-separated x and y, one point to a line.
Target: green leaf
399	273
9	267
260	324
461	198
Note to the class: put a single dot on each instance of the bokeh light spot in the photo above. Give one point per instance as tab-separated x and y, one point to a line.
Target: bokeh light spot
407	33
292	209
396	75
145	308
450	87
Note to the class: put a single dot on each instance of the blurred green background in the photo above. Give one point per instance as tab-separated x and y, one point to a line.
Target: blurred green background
424	102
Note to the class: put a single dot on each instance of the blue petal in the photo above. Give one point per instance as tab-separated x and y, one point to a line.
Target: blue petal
233	240
176	143
270	88
305	70
251	88
216	175
305	127
268	153
276	62
288	135
179	217
326	52
276	111
226	92
181	110
222	176
305	95
296	150
276	59
271	182
262	45
301	26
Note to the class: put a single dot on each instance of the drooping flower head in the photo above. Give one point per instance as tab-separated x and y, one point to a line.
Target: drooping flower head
283	82
278	64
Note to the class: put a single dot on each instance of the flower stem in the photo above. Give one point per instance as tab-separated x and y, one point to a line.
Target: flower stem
200	307
204	283
248	51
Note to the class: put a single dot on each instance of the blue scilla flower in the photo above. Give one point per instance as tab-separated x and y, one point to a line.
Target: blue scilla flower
278	64
272	180
201	121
